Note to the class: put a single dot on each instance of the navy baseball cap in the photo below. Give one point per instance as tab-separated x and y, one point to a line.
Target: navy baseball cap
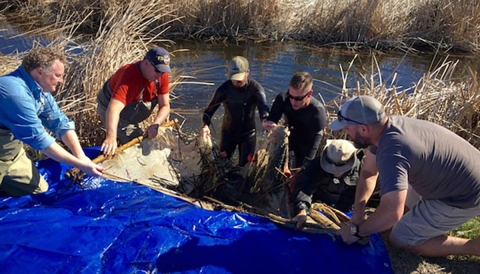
160	58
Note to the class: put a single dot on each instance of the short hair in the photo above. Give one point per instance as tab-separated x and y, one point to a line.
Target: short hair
301	80
42	57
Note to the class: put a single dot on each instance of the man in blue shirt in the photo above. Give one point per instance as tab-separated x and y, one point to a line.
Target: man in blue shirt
28	107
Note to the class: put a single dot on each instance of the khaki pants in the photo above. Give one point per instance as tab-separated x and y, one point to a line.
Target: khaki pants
20	177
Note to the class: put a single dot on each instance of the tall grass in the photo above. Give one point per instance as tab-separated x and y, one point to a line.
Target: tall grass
436	97
125	35
445	25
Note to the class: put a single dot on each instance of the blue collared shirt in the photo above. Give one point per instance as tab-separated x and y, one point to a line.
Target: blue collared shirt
26	110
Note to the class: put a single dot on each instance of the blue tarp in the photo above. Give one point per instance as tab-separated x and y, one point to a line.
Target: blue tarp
113	227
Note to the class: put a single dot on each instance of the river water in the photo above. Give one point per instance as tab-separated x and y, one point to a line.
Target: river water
272	64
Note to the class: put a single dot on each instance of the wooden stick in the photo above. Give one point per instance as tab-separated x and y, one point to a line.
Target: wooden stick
133	142
75	173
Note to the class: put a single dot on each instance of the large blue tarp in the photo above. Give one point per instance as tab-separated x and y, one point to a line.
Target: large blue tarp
112	227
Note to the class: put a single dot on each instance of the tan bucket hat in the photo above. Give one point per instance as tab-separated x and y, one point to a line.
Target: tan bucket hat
338	156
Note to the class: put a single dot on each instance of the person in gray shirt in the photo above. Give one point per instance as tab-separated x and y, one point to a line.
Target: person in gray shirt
423	168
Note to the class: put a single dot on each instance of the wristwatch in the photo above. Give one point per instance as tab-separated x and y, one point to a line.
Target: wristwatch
354	231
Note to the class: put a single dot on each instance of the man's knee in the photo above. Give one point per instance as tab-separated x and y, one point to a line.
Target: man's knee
395	241
16	189
42	187
403	244
23	178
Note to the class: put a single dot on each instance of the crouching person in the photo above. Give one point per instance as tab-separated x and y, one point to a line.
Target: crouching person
330	178
27	107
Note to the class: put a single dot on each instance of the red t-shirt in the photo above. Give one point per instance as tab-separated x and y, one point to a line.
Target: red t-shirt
128	82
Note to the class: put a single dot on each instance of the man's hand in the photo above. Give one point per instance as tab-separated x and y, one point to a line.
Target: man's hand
109	146
90	168
347	237
300	219
268	125
152	131
205	130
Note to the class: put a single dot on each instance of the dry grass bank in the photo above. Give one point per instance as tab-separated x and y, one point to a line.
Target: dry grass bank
122	38
435	97
445	25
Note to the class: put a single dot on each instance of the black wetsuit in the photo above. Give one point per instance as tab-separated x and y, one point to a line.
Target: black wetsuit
306	126
238	127
313	183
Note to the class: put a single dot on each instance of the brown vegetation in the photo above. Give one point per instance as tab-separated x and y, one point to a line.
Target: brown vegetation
444	25
435	97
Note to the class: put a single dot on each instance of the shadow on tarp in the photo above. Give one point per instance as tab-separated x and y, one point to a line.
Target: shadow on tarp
112	227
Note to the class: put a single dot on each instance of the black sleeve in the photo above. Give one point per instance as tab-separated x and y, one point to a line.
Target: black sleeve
261	102
306	182
321	120
217	99
277	108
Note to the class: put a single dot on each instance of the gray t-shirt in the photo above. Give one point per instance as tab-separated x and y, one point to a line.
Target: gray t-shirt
436	162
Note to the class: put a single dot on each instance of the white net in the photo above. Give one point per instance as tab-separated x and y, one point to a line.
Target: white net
164	161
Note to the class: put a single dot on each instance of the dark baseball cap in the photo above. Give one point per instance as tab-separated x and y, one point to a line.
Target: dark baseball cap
160	58
359	110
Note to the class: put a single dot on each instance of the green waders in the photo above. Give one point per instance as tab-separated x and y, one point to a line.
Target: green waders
18	175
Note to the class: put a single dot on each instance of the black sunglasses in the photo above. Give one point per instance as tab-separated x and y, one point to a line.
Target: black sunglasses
297	98
156	70
340	118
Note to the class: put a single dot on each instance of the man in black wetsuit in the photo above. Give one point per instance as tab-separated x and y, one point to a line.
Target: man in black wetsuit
239	97
305	116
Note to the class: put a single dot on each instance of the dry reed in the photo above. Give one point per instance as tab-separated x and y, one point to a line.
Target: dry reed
443	25
435	97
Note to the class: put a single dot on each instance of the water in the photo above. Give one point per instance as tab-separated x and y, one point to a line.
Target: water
272	64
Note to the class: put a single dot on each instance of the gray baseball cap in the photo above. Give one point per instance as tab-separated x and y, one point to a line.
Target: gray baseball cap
359	110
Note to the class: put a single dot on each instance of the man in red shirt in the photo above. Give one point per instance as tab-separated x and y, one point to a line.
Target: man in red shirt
130	96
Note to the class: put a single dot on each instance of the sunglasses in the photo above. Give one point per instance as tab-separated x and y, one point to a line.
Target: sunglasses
341	118
156	70
297	98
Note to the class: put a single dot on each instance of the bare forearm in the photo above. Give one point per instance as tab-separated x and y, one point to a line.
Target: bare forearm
59	154
386	214
365	188
70	139
113	116
162	114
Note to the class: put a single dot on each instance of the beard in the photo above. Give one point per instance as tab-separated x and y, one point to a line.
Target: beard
360	145
359	142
